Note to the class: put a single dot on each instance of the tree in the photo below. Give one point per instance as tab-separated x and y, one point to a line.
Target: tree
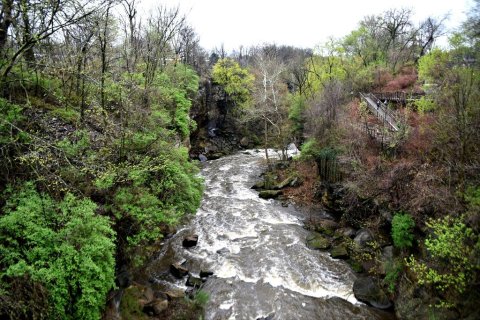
161	29
235	81
429	30
38	22
270	92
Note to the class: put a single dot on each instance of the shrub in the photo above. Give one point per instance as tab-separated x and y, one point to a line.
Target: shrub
393	271
63	245
402	228
425	105
453	264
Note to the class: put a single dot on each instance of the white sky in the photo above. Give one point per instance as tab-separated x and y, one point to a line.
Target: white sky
301	23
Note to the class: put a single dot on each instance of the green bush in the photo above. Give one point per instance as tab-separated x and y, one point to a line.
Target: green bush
402	230
393	271
425	105
310	149
63	245
452	265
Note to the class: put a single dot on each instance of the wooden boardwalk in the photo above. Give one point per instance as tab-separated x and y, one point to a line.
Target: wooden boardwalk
398	96
381	111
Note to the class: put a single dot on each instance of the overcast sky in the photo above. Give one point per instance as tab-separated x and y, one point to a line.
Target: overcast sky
301	23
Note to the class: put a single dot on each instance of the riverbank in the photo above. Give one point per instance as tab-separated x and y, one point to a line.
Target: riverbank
359	231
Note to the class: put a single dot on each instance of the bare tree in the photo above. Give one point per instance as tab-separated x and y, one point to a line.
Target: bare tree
162	27
131	28
322	114
269	95
36	21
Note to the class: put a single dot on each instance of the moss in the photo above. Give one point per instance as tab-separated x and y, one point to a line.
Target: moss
130	308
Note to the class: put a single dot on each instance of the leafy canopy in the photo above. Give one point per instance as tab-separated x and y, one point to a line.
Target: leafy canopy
235	80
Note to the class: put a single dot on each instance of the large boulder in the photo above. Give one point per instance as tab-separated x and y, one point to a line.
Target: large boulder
175	294
205	273
178	271
258	185
285	183
368	291
339	252
244	142
317	241
190	241
345	232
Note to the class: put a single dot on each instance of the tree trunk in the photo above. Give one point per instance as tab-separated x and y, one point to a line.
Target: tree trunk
5	22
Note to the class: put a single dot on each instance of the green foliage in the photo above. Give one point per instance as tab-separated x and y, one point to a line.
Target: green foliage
68	114
325	68
80	143
10	115
155	192
472	196
298	105
235	80
425	105
63	245
432	66
402	230
453	264
201	298
310	149
177	87
393	271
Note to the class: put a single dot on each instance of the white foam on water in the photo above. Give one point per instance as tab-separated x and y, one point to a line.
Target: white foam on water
226	305
226	270
281	278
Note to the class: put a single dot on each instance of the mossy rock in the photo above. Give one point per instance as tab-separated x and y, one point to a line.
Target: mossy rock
270	194
284	183
259	185
316	241
339	252
355	265
326	226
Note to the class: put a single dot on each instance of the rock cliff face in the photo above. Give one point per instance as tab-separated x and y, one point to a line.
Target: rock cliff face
218	130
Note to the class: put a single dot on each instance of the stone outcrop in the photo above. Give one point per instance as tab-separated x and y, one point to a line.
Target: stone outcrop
368	291
317	241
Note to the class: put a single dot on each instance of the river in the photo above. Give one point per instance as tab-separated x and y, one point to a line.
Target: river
256	250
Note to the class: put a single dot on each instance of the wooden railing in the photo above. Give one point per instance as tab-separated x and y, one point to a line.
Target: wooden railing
399	96
380	110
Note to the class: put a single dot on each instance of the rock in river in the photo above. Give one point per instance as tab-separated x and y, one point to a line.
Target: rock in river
194	282
368	291
178	271
339	252
316	241
269	194
190	241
